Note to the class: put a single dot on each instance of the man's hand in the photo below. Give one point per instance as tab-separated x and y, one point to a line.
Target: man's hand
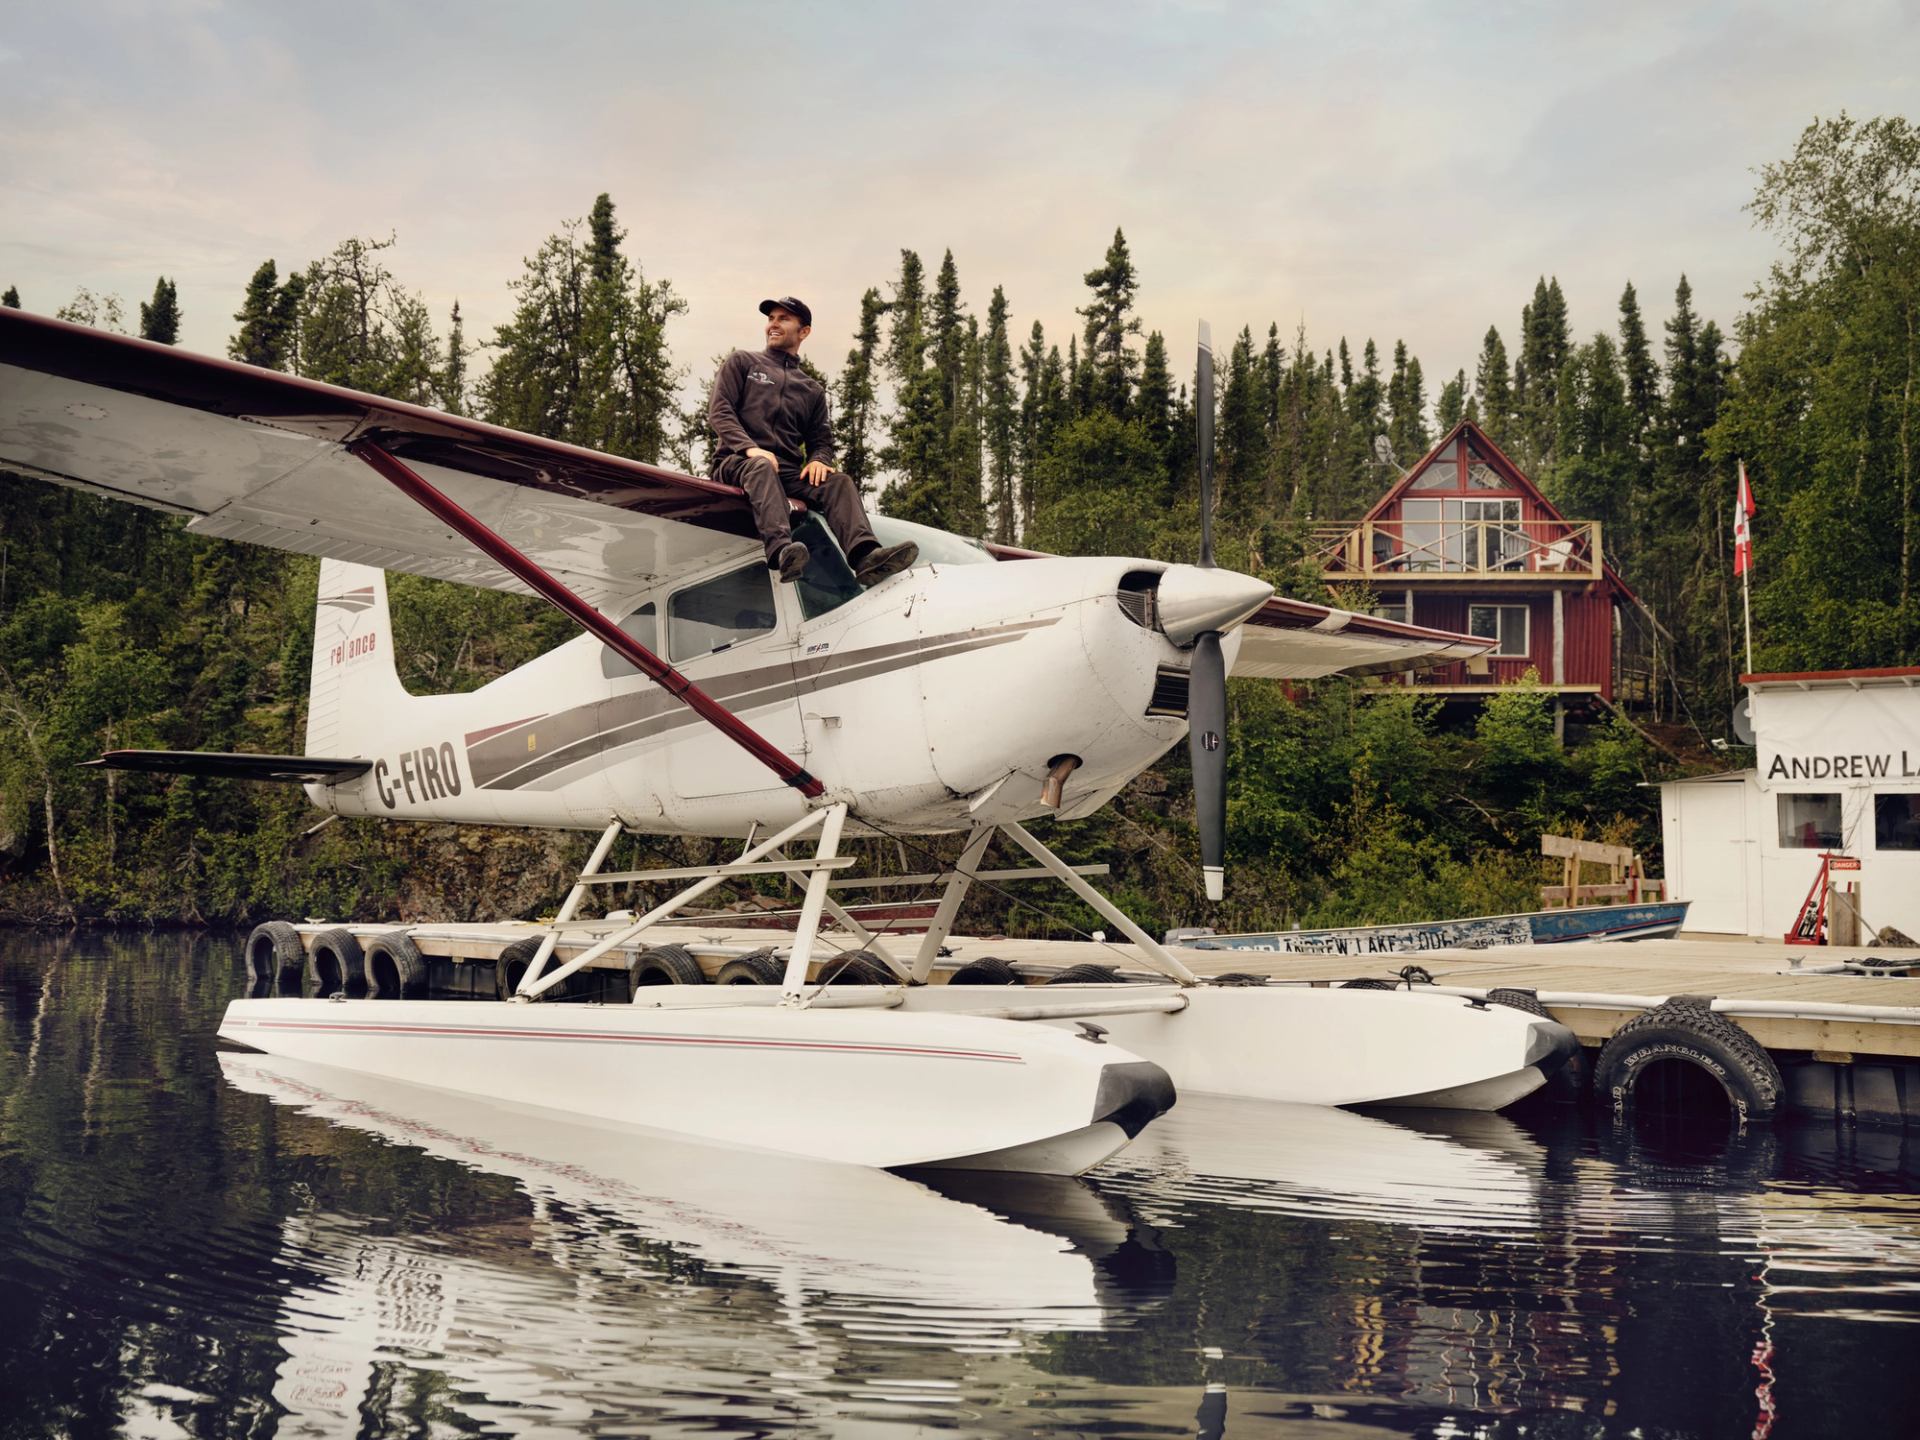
754	452
815	472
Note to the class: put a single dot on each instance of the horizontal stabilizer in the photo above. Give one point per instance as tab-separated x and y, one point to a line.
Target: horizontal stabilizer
288	769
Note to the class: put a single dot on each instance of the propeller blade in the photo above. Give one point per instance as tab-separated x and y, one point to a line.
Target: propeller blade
1207	686
1207	745
1203	408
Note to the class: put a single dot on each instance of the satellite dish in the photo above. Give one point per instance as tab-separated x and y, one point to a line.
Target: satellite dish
1383	451
1743	720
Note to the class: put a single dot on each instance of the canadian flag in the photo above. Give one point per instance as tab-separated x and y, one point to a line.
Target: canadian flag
1743	525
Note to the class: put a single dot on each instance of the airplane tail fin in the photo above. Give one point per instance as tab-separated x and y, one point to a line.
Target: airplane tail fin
356	691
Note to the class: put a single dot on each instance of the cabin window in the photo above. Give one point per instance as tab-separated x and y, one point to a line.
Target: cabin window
644	626
1420	536
720	612
1440	475
1506	624
1896	821
1490	534
1484	477
1809	822
1393	612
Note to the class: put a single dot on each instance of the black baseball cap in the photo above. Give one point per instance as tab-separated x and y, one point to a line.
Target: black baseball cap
791	305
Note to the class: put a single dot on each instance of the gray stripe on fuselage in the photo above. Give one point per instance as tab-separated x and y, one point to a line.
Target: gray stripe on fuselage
584	732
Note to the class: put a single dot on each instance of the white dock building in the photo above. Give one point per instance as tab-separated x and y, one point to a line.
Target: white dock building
1837	771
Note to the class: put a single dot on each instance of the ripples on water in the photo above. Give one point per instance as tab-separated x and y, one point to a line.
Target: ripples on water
194	1243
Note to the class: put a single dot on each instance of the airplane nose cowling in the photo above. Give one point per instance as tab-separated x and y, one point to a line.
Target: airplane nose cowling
1194	599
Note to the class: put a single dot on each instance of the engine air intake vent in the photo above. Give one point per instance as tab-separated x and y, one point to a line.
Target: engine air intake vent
1169	692
1138	593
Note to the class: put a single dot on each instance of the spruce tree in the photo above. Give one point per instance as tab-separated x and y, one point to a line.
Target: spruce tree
1493	388
947	333
1153	405
1365	399
160	317
1109	363
1000	421
1033	428
1079	381
1407	407
1544	346
603	239
966	511
906	335
267	317
453	375
1636	359
1273	374
1594	438
1451	408
10	300
1241	440
854	420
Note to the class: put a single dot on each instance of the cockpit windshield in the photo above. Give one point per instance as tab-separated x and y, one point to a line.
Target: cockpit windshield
937	547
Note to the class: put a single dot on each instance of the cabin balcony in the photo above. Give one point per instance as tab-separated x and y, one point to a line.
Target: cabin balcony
1392	554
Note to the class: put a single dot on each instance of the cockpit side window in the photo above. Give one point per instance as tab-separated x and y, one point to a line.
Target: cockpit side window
720	612
644	626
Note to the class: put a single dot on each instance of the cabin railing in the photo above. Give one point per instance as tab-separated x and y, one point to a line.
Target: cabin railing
1388	551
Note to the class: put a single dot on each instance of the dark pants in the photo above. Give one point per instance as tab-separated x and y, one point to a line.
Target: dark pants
768	488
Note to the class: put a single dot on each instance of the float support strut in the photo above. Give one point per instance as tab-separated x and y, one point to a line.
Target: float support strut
1156	954
958	884
533	986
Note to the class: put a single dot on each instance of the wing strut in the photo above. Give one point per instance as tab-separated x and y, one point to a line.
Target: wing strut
422	493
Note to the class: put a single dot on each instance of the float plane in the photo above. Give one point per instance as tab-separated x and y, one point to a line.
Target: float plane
981	689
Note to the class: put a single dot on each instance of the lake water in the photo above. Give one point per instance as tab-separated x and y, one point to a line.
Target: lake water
198	1243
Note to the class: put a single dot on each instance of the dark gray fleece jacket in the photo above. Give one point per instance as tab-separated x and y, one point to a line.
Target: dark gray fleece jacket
764	398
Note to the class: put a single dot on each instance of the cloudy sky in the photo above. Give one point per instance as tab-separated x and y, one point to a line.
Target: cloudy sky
1387	169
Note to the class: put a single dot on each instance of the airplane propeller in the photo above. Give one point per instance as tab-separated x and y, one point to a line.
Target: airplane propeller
1207	685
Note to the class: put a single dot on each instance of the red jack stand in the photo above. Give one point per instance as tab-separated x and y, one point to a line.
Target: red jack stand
1810	925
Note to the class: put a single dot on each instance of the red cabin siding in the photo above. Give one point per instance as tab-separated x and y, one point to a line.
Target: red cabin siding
1587	649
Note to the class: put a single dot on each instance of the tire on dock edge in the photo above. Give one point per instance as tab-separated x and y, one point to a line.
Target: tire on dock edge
1686	1029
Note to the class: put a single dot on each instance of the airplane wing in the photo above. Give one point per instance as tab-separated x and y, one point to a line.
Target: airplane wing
1295	640
256	455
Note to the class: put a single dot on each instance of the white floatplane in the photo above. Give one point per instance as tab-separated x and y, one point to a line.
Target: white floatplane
967	695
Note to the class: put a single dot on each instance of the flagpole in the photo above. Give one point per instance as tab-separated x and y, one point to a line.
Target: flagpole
1746	610
1743	553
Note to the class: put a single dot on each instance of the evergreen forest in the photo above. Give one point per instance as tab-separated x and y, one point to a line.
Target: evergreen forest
1348	803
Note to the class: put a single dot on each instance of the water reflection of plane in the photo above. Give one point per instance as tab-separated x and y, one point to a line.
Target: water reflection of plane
797	1262
1450	1170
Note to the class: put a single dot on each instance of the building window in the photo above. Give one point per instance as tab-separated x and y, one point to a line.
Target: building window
1485	477
644	626
1809	822
720	612
1896	821
1506	624
1392	611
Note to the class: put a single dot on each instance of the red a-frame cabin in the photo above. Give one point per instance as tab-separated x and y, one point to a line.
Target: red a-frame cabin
1465	541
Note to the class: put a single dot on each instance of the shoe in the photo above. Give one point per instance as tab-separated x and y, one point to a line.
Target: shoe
792	560
881	562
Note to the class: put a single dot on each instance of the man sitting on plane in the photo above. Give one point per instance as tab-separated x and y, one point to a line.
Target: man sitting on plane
770	418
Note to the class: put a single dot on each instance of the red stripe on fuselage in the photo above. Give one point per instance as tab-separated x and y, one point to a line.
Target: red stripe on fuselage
471	1032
